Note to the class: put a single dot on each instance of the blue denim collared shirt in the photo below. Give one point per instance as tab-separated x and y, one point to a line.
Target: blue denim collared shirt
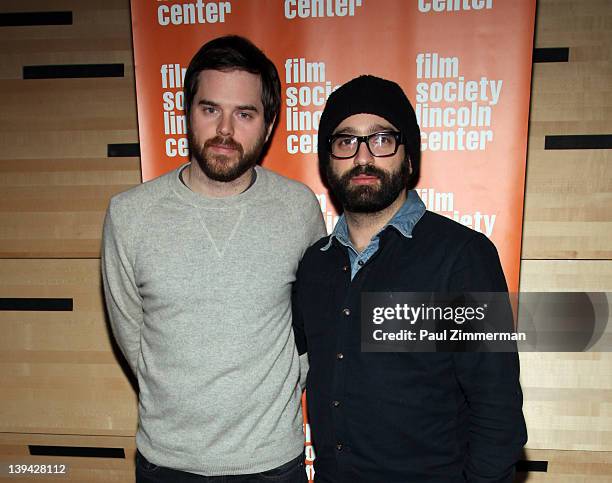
403	221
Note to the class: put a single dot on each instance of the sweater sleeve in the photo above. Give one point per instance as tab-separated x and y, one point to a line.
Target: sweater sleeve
315	225
314	230
490	381
123	301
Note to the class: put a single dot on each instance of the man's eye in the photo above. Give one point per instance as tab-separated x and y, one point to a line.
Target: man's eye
382	139
209	109
245	115
346	141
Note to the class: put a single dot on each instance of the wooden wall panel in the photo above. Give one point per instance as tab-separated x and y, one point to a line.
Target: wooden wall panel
72	143
68	105
568	216
569	467
100	34
568	203
57	369
55	207
14	449
568	396
568	400
566	276
60	129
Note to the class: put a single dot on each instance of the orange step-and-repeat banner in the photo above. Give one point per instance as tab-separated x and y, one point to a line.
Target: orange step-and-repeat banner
465	65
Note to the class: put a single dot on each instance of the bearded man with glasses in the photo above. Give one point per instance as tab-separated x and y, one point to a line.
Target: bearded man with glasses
396	416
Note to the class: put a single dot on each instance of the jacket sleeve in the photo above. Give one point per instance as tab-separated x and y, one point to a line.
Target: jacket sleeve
489	380
298	320
123	301
298	332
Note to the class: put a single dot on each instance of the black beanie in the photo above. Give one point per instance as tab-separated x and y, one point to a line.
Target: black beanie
367	94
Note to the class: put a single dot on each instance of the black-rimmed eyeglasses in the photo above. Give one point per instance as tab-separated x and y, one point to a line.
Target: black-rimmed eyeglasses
380	144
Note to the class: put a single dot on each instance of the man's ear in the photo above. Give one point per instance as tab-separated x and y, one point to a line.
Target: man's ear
269	129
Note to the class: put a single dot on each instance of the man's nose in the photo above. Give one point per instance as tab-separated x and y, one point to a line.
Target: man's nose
363	156
226	125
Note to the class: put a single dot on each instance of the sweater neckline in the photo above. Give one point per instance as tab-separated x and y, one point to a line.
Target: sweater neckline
196	199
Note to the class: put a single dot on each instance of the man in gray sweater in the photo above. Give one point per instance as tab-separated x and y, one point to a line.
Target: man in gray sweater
198	267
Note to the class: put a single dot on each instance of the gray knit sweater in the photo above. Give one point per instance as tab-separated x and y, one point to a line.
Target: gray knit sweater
199	296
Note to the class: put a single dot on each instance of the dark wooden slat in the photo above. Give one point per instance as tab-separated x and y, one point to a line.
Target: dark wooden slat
72	71
526	466
37	304
87	452
579	141
123	150
23	19
551	54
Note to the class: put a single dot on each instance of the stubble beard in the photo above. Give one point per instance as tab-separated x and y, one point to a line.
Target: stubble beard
219	167
368	198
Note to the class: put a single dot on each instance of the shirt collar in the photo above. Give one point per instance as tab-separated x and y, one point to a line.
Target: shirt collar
403	221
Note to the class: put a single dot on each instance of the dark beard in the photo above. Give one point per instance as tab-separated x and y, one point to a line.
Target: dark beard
368	199
217	167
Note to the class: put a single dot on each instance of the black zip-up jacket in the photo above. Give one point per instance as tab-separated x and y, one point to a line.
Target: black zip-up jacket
405	417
